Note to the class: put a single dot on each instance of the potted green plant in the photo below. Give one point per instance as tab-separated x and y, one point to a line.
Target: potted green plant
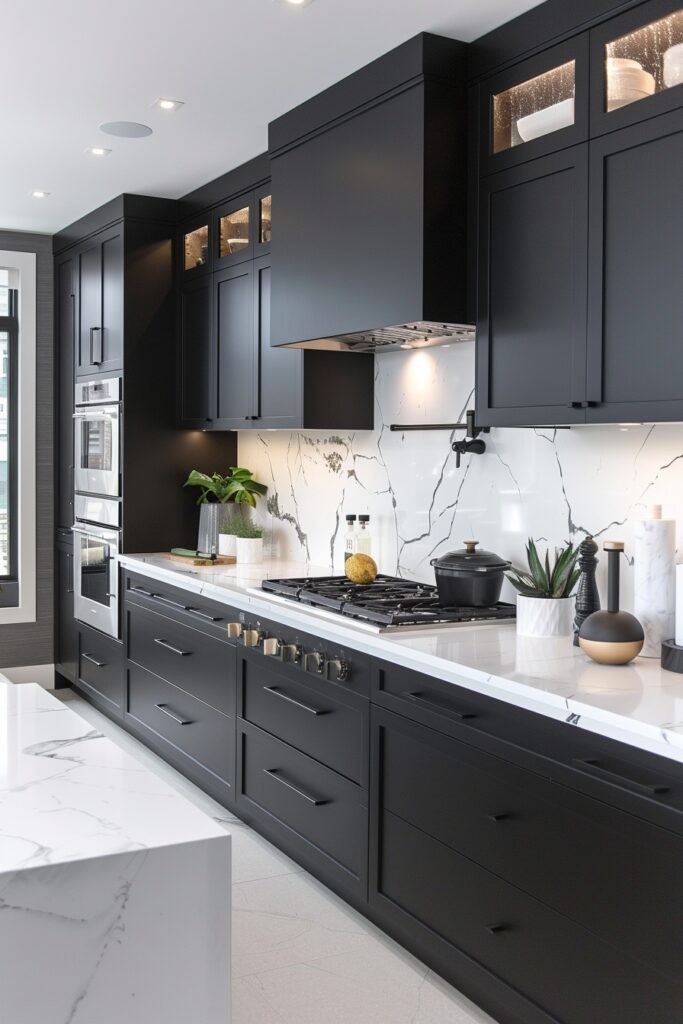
223	499
249	541
227	541
545	605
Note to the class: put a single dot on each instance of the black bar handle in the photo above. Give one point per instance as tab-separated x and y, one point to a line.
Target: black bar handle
204	615
173	604
164	708
274	773
277	692
590	766
96	331
141	590
433	705
94	661
496	929
170	647
499	817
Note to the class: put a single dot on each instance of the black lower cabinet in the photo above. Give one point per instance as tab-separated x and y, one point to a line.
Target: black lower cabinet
66	628
100	670
180	682
534	865
302	768
480	868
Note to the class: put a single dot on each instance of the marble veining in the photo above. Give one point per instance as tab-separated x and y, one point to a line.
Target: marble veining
640	703
552	484
114	889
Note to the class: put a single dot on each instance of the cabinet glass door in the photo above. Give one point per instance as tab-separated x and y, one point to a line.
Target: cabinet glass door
534	108
234	233
643	62
196	248
265	219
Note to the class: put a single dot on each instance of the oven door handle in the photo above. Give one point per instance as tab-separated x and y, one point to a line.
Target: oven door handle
95	413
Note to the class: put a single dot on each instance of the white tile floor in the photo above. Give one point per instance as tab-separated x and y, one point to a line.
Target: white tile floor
300	954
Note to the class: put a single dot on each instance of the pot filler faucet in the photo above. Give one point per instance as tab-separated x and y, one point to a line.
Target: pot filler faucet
471	444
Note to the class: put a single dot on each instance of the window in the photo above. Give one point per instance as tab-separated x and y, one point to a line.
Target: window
17	437
9	333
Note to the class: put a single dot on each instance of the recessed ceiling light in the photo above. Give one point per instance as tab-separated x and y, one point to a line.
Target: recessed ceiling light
297	3
39	194
97	151
164	104
126	129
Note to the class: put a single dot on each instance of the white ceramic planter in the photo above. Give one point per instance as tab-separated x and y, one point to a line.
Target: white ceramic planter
541	616
249	549
227	544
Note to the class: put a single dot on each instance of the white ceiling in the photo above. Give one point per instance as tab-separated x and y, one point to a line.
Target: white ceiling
69	65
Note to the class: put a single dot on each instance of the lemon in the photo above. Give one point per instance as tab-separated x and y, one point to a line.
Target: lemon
361	569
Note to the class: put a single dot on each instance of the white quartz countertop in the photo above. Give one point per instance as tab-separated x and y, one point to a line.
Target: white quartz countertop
640	704
68	794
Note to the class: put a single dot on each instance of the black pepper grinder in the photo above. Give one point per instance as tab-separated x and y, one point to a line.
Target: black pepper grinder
587	595
612	637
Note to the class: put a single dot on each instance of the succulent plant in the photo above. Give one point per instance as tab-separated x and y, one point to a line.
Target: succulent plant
543	580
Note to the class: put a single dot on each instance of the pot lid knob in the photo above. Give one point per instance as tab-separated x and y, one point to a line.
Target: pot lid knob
470	546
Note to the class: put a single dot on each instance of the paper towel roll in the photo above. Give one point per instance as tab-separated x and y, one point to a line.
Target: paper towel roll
655	579
679	605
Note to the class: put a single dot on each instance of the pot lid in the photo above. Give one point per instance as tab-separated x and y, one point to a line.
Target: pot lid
469	558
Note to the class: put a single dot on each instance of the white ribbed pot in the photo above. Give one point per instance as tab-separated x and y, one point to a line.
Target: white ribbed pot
250	550
545	616
227	544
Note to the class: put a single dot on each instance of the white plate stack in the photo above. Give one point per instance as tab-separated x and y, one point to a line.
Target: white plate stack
627	81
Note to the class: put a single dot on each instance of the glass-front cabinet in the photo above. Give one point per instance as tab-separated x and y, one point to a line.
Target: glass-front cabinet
638	64
234	225
263	204
537	107
196	249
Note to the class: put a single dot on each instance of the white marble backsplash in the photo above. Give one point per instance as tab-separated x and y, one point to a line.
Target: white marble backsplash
553	485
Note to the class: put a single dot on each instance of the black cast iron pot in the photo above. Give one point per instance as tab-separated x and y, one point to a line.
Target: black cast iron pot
469	578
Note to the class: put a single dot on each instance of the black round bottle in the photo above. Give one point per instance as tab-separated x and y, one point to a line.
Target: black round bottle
612	637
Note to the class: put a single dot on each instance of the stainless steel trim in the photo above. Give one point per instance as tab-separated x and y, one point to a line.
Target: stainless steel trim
171	714
98	392
101	617
104	511
98	481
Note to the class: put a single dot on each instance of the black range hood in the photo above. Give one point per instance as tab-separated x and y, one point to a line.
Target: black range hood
369	189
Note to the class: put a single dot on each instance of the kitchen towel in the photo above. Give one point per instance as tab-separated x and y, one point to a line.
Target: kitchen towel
655	579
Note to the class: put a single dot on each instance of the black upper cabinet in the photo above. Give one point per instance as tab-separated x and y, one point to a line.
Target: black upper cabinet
531	342
637	65
196	364
230	377
100	304
65	334
369	182
234	327
536	107
635	356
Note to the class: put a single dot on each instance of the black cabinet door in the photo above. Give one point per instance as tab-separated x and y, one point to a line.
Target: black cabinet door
67	629
197	393
100	304
234	330
635	357
64	447
278	378
531	339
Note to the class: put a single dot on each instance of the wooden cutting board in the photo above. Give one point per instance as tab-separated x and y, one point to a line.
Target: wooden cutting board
206	563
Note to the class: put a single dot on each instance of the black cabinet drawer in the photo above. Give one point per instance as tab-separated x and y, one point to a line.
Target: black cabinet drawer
306	716
640	783
198	731
194	661
101	673
569	972
537	835
181	605
318	805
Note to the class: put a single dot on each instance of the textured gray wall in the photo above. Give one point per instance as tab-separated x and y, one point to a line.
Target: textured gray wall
31	643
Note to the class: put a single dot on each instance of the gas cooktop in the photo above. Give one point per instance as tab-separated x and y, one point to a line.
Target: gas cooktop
388	603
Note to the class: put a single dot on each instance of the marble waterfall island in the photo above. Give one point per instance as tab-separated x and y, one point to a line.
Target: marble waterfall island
114	889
